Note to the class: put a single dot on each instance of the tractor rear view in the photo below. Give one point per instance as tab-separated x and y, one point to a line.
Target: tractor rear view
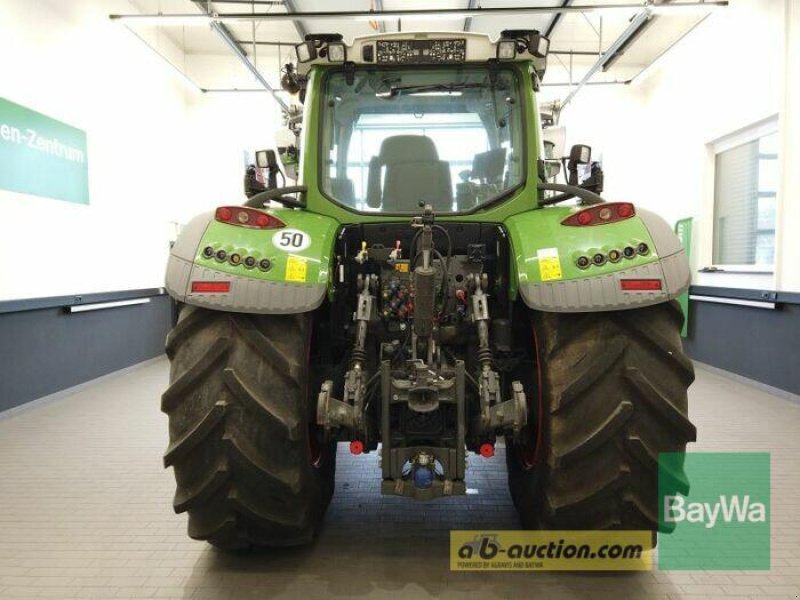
427	290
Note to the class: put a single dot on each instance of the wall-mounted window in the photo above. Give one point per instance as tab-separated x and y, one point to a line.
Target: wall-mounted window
745	188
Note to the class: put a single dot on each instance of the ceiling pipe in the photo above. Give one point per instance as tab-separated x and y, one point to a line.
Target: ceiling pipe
378	4
447	13
234	45
472	5
620	42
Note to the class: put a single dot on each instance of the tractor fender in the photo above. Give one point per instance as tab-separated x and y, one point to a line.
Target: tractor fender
549	278
288	273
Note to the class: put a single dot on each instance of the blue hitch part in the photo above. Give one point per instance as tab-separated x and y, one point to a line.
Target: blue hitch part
423	477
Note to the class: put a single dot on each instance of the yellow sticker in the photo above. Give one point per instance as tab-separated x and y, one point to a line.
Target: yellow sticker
401	267
549	264
296	268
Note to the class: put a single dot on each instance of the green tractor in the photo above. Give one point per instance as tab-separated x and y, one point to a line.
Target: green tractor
426	291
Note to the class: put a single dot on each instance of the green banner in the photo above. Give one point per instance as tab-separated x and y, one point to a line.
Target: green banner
42	156
683	229
723	523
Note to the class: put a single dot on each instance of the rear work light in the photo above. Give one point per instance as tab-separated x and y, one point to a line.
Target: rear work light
608	212
211	287
247	217
640	285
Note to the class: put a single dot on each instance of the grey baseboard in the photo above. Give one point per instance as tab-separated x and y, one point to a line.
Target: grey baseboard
47	346
763	387
66	393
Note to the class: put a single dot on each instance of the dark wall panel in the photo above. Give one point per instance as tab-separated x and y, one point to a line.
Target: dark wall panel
756	343
46	350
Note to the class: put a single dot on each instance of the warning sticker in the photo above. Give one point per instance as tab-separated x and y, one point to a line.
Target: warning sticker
296	268
549	264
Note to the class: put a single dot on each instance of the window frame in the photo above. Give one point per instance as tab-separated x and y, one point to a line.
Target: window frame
740	137
500	198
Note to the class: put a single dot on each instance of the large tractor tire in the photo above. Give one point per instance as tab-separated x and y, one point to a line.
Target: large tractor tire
613	396
249	468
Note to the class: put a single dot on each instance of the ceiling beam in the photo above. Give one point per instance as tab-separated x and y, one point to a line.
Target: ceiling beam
620	42
298	26
556	18
451	13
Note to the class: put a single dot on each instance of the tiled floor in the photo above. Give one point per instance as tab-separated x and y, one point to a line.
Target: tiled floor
85	513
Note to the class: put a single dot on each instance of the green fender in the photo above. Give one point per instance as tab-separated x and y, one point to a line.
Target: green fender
293	280
546	252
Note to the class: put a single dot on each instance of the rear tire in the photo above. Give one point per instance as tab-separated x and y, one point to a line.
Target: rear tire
613	397
248	467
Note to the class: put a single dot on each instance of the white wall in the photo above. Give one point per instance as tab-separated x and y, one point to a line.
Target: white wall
159	151
654	134
68	61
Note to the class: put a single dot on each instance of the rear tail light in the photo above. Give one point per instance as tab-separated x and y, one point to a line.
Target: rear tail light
640	285
211	287
609	212
247	217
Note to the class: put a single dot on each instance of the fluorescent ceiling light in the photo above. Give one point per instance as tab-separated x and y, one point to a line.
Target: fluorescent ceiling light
190	20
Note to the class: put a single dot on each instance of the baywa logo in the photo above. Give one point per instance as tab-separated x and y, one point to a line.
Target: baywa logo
715	509
729	508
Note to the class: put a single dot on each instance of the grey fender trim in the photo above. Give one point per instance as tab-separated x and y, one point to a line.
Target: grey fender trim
185	246
664	238
603	292
247	295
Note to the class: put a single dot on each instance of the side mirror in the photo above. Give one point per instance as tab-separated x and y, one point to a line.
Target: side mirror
265	159
580	154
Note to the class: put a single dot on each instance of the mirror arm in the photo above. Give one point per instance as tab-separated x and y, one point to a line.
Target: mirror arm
567	192
277	194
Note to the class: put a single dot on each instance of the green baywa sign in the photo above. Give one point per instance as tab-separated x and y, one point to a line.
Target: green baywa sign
724	521
42	156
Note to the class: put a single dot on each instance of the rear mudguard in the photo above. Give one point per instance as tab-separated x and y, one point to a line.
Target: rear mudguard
295	279
546	262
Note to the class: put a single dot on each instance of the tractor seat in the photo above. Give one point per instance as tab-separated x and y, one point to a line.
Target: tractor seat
413	173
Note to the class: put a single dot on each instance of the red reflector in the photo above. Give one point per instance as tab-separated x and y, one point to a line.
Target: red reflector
211	287
356	447
247	217
487	450
640	285
600	214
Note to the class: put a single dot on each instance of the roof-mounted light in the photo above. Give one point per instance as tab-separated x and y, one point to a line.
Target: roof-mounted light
319	45
526	39
337	53
306	51
506	49
539	46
